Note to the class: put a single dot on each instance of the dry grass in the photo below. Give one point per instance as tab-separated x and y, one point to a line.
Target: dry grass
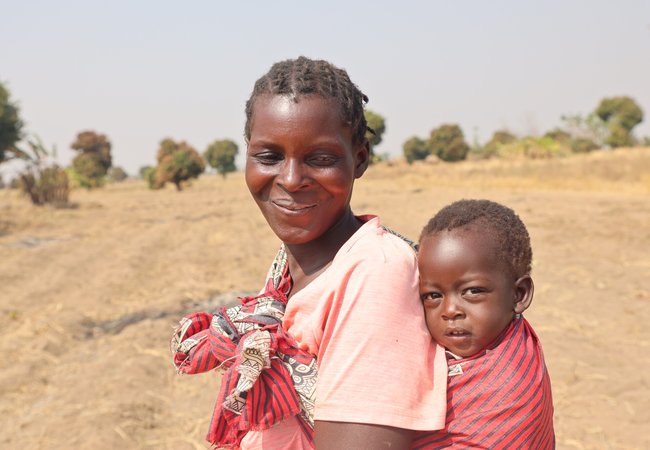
126	251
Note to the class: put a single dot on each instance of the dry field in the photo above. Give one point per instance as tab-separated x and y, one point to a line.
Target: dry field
89	295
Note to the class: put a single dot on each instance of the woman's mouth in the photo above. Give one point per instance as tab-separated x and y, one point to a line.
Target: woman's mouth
293	208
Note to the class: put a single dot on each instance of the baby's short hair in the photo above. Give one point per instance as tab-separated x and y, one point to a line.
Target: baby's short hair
497	221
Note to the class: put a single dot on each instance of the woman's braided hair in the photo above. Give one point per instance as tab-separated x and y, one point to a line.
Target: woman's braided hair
303	76
496	222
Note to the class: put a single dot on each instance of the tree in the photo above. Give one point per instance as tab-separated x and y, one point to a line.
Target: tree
415	149
448	143
221	156
377	124
177	162
621	114
94	159
10	126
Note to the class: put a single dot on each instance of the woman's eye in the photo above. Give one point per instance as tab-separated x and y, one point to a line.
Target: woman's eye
268	158
323	160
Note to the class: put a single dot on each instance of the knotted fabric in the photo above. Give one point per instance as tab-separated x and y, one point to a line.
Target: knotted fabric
268	377
498	400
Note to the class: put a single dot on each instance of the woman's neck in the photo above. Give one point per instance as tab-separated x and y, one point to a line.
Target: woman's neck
307	261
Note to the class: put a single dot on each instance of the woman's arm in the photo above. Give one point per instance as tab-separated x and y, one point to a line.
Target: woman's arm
359	436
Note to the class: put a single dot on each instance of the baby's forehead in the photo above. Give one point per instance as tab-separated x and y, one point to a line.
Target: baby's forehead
478	230
483	242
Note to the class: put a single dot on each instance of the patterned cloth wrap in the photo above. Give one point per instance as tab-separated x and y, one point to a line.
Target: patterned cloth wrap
268	377
498	400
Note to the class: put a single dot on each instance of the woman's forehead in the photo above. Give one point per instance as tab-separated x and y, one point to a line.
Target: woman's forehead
305	109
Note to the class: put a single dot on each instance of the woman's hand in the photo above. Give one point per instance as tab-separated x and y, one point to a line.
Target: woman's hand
359	436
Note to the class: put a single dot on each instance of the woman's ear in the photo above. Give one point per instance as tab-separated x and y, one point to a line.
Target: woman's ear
524	289
362	158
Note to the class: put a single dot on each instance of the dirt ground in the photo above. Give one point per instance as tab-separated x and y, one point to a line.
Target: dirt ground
89	295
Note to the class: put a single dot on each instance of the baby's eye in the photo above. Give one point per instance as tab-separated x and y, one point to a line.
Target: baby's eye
430	297
474	291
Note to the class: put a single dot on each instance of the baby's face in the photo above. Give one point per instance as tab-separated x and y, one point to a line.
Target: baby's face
469	296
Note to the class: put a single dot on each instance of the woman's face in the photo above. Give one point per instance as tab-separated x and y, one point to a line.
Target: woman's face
301	165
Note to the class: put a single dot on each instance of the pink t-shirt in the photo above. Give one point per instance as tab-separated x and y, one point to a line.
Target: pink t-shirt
363	319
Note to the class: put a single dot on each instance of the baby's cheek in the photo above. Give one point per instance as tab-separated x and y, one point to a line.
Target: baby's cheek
432	321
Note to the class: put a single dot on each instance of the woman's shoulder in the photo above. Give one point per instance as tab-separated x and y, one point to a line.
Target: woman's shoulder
374	234
375	244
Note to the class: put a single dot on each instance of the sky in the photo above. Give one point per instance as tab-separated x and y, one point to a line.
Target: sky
141	71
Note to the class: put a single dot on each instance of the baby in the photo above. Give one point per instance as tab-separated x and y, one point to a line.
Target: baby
475	263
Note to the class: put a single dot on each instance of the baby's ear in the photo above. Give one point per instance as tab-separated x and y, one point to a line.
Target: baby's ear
524	289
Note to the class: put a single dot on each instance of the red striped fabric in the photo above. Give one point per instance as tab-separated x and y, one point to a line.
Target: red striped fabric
498	400
205	341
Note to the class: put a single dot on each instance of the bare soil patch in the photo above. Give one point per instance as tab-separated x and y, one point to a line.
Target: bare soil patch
89	295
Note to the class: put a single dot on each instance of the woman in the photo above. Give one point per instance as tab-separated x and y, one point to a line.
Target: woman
347	287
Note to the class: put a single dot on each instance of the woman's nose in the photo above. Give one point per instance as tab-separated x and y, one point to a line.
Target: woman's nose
292	176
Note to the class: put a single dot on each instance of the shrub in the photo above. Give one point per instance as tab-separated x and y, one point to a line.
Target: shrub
47	185
117	174
151	178
534	148
42	181
144	170
577	144
559	135
491	148
582	145
415	149
590	127
448	143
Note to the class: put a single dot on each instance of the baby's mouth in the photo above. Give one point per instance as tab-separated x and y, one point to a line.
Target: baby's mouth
456	332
